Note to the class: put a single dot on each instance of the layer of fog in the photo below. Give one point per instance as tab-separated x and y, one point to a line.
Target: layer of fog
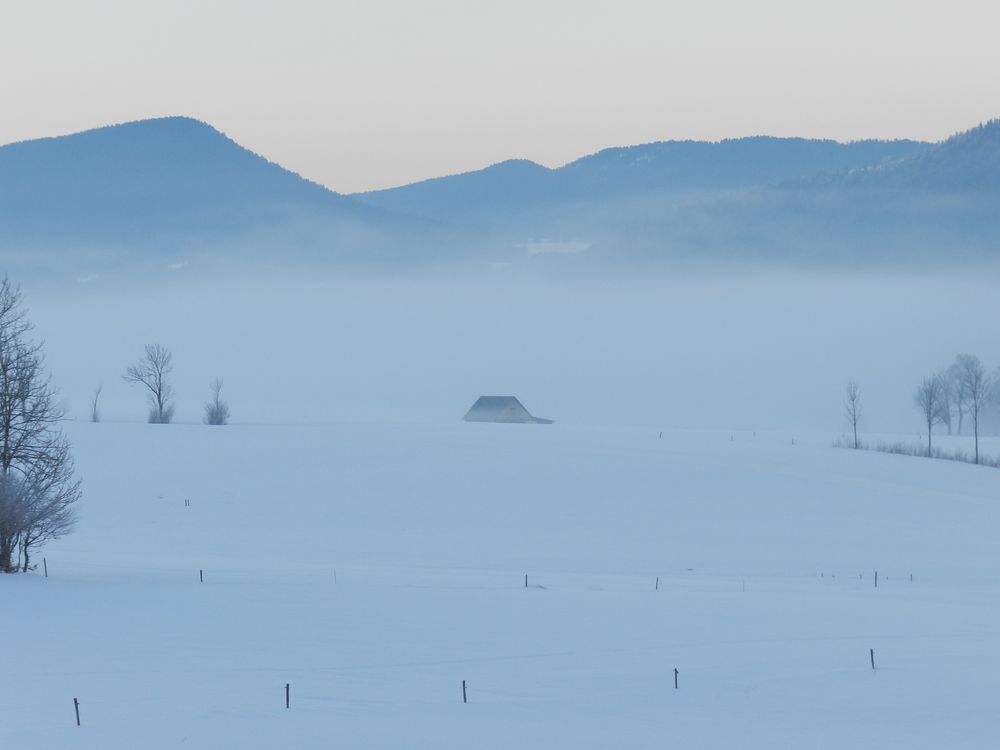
768	351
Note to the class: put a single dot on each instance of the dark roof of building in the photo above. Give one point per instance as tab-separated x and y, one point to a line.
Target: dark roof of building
501	409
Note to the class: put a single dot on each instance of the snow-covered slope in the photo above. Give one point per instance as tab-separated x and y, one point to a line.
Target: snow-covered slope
374	567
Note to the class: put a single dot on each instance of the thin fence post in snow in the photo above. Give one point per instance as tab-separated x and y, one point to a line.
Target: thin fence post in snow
76	707
287	694
201	576
657	583
465	695
45	564
871	653
876	579
335	575
675	677
525	580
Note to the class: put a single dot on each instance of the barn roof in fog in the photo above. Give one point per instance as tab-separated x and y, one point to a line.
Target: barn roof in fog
501	409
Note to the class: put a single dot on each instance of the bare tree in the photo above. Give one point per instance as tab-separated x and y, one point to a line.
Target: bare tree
95	415
947	400
49	494
957	388
852	408
151	372
37	487
977	388
216	410
930	398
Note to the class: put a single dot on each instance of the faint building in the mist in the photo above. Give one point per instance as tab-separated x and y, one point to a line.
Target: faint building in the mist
501	409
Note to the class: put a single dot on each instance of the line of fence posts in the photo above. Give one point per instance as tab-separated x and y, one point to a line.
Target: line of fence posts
465	688
465	693
656	586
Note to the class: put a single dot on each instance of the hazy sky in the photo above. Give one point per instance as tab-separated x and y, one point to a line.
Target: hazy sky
365	94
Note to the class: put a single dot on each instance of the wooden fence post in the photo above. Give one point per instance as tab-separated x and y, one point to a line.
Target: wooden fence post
465	695
76	707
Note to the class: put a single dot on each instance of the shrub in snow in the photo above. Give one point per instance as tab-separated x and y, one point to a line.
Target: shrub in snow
216	410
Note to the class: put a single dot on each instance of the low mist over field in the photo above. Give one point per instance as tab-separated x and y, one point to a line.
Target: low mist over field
749	351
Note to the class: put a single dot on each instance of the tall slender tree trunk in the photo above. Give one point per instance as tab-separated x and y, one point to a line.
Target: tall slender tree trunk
6	553
975	430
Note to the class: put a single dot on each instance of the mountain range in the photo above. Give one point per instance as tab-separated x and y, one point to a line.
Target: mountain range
175	191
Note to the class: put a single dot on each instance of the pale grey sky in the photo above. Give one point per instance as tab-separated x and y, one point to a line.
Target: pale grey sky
359	95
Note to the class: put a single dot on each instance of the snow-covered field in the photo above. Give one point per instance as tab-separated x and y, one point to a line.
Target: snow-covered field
374	567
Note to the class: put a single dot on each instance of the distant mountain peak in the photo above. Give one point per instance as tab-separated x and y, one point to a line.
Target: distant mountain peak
157	183
150	127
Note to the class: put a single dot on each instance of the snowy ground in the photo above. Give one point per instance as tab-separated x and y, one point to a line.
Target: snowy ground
375	567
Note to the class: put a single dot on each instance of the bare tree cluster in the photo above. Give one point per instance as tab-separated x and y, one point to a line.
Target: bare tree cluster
152	372
38	489
963	390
